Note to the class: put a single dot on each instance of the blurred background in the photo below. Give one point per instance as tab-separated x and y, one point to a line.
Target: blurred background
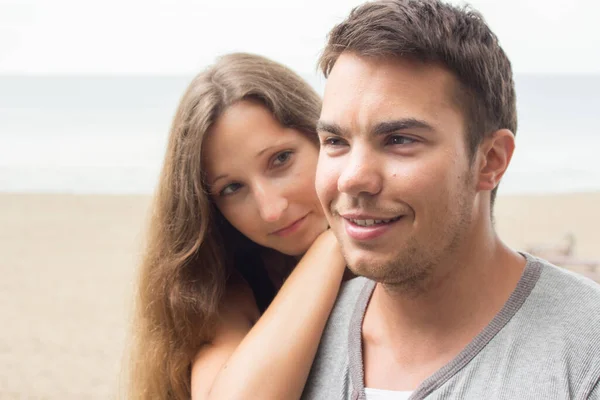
87	93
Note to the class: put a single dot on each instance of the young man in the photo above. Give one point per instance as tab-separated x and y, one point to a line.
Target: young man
417	129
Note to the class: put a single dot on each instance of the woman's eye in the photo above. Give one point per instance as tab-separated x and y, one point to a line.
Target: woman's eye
400	140
282	158
230	189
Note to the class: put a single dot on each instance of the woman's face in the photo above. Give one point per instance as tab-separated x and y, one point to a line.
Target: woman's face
261	175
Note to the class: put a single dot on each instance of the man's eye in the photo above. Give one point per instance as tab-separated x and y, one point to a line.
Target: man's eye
282	158
230	189
400	140
331	141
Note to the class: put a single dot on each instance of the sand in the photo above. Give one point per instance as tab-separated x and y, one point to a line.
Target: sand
525	221
66	265
67	268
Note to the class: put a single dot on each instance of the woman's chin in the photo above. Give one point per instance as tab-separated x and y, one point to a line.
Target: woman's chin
294	248
297	249
297	246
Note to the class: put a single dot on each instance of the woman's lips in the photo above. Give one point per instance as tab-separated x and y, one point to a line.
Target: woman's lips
290	229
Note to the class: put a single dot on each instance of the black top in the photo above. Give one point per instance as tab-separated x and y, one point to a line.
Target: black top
252	269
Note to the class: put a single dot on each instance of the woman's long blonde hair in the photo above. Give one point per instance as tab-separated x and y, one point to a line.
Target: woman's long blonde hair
185	266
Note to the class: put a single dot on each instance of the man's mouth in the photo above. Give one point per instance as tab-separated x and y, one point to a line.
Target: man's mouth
364	227
371	222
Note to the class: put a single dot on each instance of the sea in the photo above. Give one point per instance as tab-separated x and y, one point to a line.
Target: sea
107	134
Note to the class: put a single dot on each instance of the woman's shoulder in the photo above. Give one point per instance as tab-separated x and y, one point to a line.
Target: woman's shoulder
237	315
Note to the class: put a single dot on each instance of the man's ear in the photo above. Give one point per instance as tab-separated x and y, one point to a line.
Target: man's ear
495	153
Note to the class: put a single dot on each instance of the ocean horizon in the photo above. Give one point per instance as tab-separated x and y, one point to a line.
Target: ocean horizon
107	134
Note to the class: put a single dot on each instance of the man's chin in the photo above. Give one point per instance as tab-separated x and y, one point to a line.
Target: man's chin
378	266
363	264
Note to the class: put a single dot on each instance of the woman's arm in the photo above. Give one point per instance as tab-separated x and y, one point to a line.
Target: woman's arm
273	359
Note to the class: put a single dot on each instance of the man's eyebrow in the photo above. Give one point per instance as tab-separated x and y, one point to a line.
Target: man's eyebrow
384	128
328	127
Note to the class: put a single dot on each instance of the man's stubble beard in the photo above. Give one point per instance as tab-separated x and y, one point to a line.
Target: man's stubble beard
412	269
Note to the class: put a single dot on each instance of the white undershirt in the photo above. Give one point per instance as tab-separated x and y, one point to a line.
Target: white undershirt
379	394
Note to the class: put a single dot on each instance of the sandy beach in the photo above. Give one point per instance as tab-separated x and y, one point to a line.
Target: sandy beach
68	262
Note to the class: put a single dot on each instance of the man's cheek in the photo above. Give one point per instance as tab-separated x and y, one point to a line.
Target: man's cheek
324	182
321	189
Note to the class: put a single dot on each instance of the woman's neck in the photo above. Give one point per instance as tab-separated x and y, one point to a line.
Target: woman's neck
278	266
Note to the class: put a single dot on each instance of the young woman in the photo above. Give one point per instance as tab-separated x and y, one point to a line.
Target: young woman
220	314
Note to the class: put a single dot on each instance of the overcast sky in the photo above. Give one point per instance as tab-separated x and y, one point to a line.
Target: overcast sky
182	36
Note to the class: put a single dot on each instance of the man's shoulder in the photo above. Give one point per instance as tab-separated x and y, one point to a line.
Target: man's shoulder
558	284
567	301
554	333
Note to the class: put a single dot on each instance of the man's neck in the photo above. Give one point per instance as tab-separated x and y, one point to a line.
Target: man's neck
423	331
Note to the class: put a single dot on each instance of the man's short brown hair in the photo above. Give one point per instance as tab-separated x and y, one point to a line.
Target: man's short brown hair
433	31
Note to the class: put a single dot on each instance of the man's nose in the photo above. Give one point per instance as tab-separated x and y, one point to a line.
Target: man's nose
360	174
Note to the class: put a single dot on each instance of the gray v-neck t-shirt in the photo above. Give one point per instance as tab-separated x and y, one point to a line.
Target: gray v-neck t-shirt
543	344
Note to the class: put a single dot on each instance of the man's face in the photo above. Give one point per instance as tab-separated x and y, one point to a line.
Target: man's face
394	175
